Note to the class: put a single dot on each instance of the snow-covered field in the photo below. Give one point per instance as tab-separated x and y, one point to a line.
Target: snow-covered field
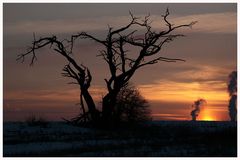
164	138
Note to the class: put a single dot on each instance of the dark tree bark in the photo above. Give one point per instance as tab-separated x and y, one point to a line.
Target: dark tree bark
79	73
122	63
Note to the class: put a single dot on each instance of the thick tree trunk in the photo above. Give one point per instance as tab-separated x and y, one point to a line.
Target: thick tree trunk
108	104
82	106
107	108
91	106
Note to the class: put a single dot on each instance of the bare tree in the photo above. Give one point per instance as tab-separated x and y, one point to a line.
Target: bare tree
121	62
232	90
79	73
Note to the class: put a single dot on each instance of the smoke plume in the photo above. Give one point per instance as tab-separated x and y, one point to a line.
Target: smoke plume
197	105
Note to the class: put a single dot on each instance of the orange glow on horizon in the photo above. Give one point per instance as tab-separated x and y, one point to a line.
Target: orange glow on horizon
187	92
177	96
183	92
207	115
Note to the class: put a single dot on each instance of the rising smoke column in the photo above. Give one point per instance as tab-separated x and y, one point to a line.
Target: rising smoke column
232	90
197	105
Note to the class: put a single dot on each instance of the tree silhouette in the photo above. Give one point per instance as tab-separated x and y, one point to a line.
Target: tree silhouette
121	62
131	107
232	90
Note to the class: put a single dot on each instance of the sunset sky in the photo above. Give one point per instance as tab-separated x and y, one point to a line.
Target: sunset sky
209	48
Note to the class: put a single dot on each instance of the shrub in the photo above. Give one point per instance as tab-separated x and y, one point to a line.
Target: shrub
131	106
36	121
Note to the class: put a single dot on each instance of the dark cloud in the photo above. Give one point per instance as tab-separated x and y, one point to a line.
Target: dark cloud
13	12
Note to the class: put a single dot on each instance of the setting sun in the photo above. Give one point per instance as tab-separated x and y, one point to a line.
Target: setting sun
206	115
208	118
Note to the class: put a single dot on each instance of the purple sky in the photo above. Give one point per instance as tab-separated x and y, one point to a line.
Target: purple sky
209	48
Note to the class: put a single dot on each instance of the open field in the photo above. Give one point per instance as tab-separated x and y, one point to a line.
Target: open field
158	138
